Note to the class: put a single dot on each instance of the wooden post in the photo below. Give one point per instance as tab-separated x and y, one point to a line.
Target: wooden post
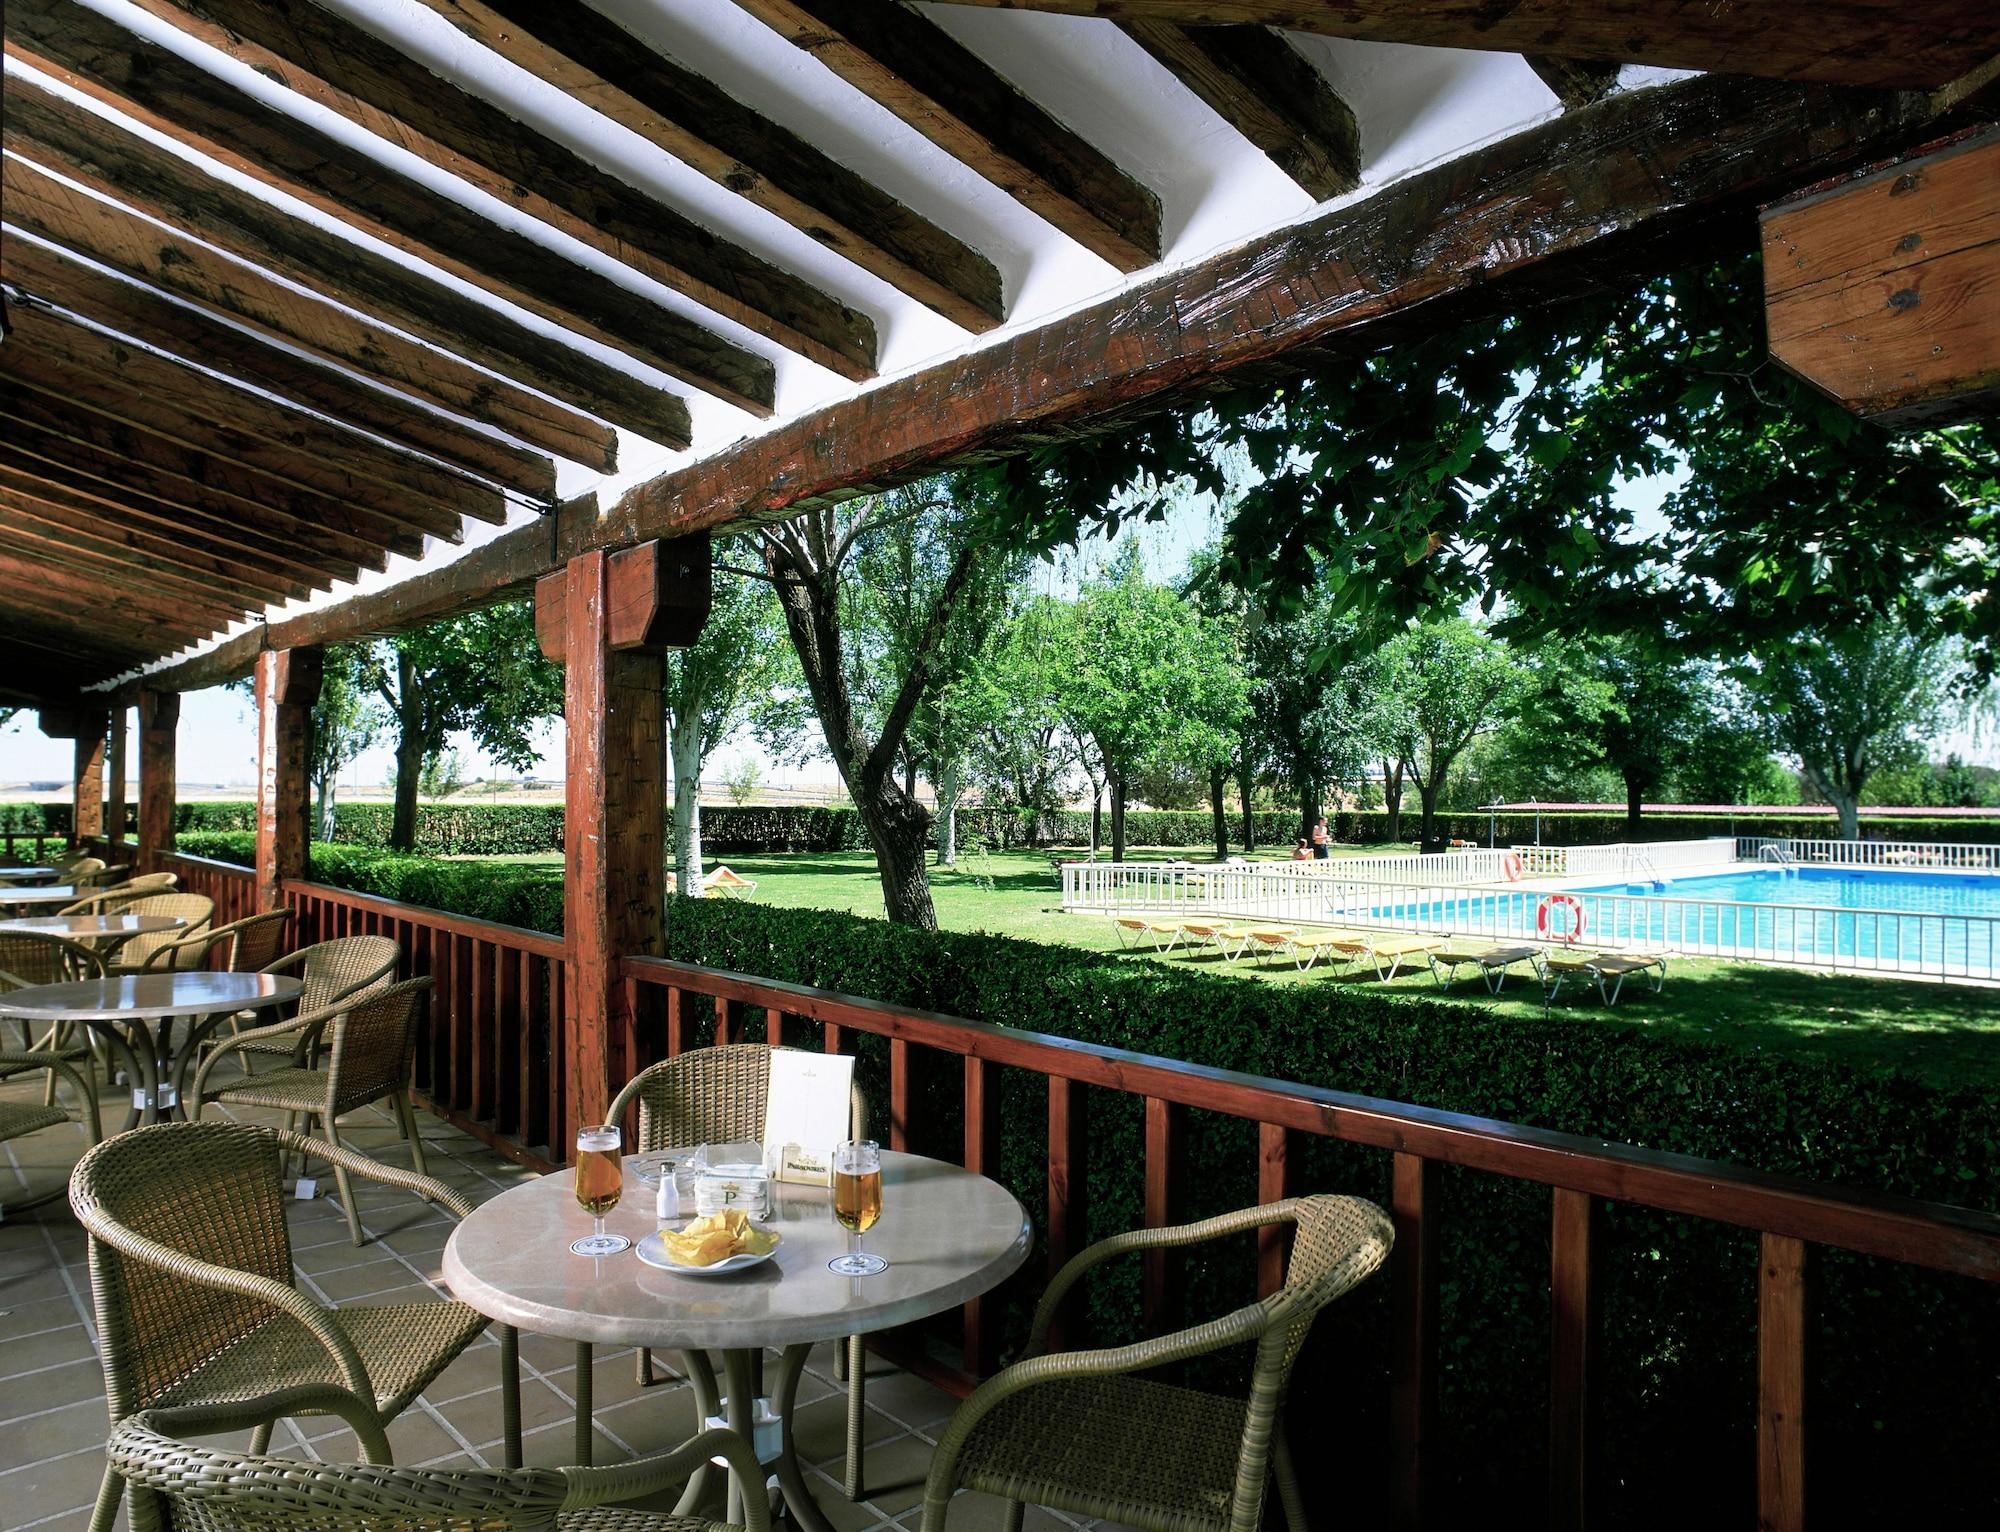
1573	1401
1784	1316
116	762
159	726
87	815
1413	1339
287	686
608	618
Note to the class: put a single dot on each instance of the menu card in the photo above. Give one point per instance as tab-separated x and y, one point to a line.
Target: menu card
806	1113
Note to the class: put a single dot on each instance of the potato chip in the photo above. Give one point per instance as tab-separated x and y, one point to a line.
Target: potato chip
716	1237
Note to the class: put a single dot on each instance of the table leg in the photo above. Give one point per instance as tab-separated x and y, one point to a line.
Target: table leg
123	1057
708	1404
742	1408
798	1498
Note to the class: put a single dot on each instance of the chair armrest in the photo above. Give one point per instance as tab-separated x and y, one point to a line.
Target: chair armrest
304	1028
242	1414
1144	1239
663	1470
323	1324
207	940
408	1180
14	1062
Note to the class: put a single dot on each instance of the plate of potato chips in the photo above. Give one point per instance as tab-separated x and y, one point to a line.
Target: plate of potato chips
711	1245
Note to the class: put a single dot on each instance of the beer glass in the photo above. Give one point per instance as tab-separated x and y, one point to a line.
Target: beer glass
600	1178
857	1204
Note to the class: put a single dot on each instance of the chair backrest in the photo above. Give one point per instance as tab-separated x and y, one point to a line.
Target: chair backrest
202	1489
706	1096
82	871
257	940
344	966
1337	1243
370	1045
196	909
109	901
209	1190
32	957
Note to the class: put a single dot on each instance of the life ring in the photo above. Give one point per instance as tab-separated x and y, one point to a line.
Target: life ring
1511	865
1542	922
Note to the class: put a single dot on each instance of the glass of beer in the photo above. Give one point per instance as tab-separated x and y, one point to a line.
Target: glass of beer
600	1178
857	1204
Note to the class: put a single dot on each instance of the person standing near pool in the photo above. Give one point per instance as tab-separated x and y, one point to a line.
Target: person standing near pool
1320	848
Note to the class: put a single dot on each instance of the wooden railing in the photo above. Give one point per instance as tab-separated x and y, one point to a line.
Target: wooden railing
1790	1216
233	888
492	1056
32	845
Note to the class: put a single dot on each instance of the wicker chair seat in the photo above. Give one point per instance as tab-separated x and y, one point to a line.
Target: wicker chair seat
620	1518
292	1089
20	1118
403	1345
1095	1446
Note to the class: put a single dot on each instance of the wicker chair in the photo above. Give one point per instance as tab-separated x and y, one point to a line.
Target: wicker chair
179	1487
1077	1431
368	1040
191	1275
716	1096
18	1119
247	945
33	957
109	901
330	971
80	871
137	954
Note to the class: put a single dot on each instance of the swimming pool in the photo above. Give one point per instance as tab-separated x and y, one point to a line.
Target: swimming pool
1944	923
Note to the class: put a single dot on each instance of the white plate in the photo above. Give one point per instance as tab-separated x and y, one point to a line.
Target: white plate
653	1252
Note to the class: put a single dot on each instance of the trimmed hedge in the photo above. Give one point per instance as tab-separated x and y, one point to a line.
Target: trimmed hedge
1905	1369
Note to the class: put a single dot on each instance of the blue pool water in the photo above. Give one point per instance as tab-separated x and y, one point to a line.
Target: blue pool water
1931	922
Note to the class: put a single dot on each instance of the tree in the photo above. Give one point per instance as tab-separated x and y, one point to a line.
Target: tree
482	674
345	721
1152	680
865	688
708	690
1851	702
1451	681
1019	752
1318	711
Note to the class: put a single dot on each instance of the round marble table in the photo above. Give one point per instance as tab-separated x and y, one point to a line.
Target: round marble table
107	929
947	1234
60	894
29	874
114	1006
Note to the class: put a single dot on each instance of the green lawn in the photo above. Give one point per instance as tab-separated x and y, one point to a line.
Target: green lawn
1946	1033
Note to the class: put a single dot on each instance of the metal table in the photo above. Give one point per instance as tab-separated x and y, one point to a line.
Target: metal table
60	894
116	1007
949	1235
108	929
28	874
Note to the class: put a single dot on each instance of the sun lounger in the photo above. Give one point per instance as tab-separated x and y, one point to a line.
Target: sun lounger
1386	948
1491	964
724	884
1143	931
1608	970
1219	934
1308	947
1269	938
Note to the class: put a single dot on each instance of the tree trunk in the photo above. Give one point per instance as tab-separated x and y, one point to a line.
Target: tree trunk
1427	796
684	750
1218	779
328	786
1117	783
1243	785
409	771
1849	805
1308	809
1096	815
1392	798
898	827
947	835
1634	803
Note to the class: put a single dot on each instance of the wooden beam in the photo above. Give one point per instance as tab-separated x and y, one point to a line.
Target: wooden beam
1576	82
329	60
1265	89
288	682
93	604
229	660
96	153
168	501
69	360
87	780
159	729
114	574
1590	197
659	596
151	255
32	522
99	511
178	98
266	501
117	757
1839	42
1884	292
635	84
917	70
614	862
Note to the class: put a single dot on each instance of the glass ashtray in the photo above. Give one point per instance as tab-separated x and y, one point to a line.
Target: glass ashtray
653	1168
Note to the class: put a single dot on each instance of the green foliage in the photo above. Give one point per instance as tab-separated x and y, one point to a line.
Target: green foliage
1446	682
1904	1372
